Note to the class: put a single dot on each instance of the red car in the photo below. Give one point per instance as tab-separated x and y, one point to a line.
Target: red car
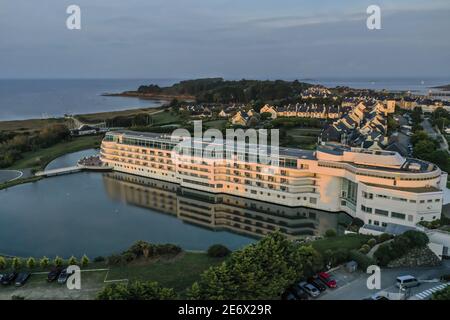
327	279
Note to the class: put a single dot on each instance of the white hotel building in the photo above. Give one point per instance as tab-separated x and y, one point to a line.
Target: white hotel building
379	187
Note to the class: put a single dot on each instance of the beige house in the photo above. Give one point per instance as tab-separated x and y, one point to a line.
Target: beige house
269	109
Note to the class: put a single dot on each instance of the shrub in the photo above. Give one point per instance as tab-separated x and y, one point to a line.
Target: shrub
168	248
3	263
372	242
58	261
218	251
384	254
330	233
361	259
365	248
336	257
417	238
114	259
31	263
84	261
384	237
44	262
16	263
72	261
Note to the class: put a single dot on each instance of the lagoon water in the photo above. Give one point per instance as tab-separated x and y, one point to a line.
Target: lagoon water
104	213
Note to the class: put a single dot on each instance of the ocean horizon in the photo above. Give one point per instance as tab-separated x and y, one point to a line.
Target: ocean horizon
22	99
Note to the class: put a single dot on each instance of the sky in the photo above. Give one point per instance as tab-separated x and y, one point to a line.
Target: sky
261	39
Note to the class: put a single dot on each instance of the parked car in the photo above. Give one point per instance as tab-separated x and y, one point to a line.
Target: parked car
22	278
299	292
54	274
407	281
317	283
309	289
376	297
63	276
327	279
8	278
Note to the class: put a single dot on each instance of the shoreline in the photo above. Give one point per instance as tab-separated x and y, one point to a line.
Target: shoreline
150	96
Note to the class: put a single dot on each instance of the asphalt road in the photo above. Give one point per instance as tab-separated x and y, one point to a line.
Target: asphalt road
356	286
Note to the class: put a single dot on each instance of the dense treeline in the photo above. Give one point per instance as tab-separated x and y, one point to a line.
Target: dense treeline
217	90
13	145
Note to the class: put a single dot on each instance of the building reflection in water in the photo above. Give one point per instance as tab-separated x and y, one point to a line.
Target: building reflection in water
222	212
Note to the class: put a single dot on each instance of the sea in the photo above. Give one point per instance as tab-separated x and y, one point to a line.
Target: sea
46	98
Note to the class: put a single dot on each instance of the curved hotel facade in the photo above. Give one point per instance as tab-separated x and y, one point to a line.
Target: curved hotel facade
379	187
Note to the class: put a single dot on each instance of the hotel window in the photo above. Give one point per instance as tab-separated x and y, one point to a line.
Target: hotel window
375	222
437	200
397	215
412	201
367	195
313	200
366	209
382	212
382	196
430	200
410	218
422	201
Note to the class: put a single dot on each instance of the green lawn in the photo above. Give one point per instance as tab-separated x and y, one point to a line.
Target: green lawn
163	118
216	124
178	273
40	158
349	241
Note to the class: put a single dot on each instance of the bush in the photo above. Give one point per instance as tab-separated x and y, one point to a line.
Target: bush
330	233
361	259
336	257
16	263
372	242
417	238
72	261
58	261
44	262
365	248
3	263
384	237
218	251
84	261
114	259
31	263
136	291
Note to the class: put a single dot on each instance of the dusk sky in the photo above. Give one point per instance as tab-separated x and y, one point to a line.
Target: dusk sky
228	38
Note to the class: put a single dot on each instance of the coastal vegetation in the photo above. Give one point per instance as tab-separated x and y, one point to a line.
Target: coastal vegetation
400	246
218	90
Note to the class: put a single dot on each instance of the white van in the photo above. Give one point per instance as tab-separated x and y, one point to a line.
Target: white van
407	282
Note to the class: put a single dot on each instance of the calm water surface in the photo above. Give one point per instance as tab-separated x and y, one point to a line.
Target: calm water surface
104	213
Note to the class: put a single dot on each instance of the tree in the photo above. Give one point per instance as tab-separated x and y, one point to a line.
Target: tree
218	251
58	261
330	233
72	261
84	261
31	263
136	291
44	262
3	263
16	263
259	271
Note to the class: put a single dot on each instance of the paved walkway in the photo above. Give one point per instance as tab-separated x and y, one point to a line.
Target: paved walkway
9	175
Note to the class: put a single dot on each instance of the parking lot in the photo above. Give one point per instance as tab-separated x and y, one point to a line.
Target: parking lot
37	287
353	286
